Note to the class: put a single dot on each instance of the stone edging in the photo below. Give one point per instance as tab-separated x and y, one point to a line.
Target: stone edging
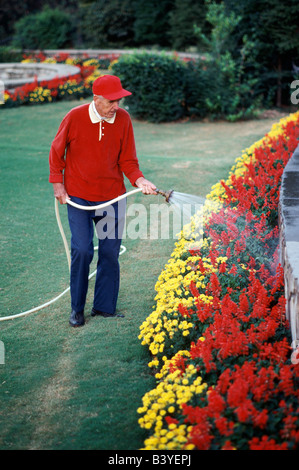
107	52
26	72
289	242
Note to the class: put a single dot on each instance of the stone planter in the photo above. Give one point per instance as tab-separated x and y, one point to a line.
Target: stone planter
289	241
14	75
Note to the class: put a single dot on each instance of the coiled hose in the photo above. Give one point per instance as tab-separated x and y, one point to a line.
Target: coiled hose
67	251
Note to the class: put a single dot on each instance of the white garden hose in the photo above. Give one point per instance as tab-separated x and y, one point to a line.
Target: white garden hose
104	204
88	208
100	206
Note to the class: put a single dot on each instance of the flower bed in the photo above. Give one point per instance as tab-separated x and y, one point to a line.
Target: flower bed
218	334
57	89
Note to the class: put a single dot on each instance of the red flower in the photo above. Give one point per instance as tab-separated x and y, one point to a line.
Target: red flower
260	419
183	310
237	393
266	444
170	420
200	435
225	427
216	401
227	446
222	268
233	270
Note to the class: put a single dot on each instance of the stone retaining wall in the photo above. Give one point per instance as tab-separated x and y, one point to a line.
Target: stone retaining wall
289	241
104	52
17	74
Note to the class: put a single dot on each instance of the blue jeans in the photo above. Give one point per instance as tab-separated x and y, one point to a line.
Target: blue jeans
109	223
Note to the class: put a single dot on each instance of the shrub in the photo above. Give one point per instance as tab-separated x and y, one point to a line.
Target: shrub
9	55
48	29
166	88
107	24
158	85
230	75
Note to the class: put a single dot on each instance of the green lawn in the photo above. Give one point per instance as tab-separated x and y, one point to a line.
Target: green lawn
64	388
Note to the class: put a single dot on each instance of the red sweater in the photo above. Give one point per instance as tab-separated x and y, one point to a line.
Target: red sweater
91	165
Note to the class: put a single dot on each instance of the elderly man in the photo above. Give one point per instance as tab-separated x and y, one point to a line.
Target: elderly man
92	150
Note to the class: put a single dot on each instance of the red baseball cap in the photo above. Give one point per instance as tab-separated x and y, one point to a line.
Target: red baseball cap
110	87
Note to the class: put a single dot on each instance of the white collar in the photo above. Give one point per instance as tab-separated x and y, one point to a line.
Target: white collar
95	116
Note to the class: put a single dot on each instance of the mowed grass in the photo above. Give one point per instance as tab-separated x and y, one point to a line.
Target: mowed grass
64	388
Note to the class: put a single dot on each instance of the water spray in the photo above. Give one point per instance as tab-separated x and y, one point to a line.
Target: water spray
171	197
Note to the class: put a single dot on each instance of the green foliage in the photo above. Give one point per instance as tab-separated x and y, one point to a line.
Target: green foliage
273	25
223	25
228	77
272	22
167	89
152	22
9	55
47	29
262	76
182	18
13	10
224	84
105	23
281	25
251	46
158	85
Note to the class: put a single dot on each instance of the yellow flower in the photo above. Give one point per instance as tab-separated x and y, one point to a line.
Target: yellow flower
176	387
112	63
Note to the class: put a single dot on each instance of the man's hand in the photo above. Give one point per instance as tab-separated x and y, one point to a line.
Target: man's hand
60	192
147	186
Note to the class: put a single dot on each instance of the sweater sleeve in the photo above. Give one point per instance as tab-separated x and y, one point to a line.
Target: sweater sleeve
57	152
128	161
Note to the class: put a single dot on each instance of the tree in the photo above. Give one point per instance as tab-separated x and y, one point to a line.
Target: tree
47	29
152	22
182	18
228	85
274	26
105	24
281	29
13	10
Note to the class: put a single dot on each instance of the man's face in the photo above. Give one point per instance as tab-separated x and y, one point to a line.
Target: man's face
106	108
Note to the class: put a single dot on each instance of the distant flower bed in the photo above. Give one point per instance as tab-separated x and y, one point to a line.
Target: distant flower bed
218	334
57	89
